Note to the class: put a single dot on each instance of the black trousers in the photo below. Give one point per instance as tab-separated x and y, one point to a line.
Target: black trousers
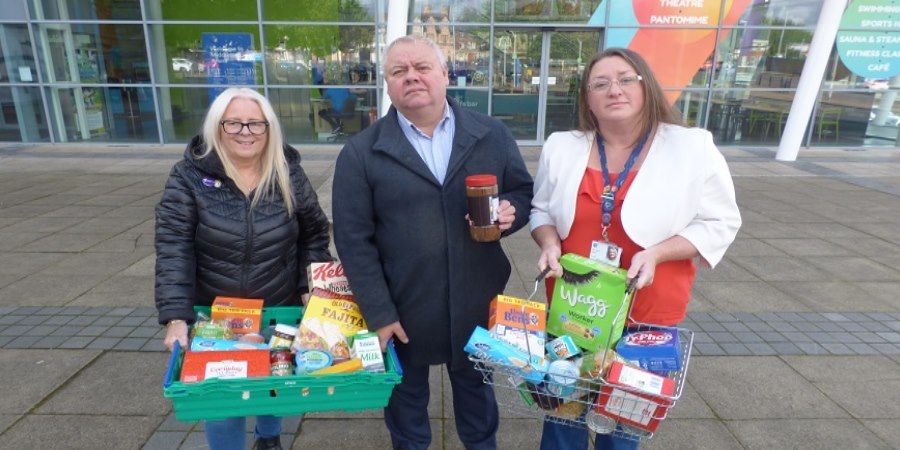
474	406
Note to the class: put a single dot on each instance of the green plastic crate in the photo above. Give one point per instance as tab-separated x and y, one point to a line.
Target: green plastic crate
279	396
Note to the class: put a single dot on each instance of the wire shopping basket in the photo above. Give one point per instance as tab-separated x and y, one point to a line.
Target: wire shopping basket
614	398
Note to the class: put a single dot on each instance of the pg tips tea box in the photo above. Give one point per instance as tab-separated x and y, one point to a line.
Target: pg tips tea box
589	303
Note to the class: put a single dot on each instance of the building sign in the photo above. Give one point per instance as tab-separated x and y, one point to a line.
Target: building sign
868	42
677	51
230	61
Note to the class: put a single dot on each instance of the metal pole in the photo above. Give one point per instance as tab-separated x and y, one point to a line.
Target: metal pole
398	11
810	79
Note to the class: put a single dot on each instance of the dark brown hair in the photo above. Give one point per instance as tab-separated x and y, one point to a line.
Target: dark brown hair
656	106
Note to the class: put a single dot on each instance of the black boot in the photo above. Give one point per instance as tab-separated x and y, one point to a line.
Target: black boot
272	443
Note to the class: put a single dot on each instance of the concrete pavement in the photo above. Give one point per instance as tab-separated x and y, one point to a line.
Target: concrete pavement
797	332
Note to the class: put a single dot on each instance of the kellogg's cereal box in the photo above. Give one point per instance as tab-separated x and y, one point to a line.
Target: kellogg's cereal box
589	303
329	276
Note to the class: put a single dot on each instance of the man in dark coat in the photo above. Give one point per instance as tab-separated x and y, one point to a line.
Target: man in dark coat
399	206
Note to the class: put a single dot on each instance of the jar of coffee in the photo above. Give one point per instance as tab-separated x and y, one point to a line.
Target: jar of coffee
484	204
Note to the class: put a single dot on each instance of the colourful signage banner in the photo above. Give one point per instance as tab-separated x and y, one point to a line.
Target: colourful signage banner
676	52
868	42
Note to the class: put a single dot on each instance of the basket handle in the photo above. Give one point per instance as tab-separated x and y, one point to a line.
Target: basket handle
172	360
392	353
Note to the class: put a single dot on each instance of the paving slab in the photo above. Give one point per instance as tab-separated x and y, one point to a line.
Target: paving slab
513	433
118	290
41	290
887	429
737	296
759	387
92	264
6	420
805	434
863	369
116	383
691	434
79	432
343	434
865	400
45	370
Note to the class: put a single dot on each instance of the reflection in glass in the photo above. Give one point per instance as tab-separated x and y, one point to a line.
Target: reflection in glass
843	119
16	59
85	9
884	118
456	11
21	115
93	53
320	10
103	114
515	100
225	10
569	51
305	55
466	50
544	10
762	58
300	112
207	54
692	105
803	13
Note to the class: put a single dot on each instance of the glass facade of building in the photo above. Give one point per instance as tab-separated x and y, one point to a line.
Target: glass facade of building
145	70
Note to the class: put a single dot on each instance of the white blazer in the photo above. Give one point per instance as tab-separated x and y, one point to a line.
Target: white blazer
683	188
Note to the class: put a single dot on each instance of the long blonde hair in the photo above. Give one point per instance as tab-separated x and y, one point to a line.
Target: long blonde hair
275	172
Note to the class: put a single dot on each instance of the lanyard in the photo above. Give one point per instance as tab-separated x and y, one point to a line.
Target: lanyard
608	199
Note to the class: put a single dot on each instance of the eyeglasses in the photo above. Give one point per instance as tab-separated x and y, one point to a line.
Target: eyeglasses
603	85
235	127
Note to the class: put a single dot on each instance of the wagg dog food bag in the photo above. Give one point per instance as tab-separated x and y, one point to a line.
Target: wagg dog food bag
586	303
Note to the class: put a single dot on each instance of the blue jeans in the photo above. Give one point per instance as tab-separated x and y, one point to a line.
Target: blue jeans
228	434
557	436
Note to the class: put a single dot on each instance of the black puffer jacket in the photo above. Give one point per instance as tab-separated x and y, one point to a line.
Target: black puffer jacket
209	242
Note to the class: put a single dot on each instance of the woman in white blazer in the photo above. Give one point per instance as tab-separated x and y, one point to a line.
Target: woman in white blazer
630	177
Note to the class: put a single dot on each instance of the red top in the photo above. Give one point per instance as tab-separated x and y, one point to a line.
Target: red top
665	301
483	180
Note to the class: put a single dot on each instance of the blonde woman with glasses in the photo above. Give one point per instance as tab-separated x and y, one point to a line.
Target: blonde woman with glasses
238	218
633	182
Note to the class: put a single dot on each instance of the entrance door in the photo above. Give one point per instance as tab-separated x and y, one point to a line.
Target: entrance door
536	79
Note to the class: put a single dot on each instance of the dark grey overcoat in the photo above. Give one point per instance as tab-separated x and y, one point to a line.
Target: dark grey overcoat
403	238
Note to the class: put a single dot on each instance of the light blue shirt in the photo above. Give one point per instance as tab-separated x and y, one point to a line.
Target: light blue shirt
435	150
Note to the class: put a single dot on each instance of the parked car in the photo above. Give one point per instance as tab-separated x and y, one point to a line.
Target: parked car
182	65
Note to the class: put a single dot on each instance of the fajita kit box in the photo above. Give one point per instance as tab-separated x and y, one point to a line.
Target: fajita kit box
328	324
657	350
635	396
242	315
510	319
329	276
199	366
589	303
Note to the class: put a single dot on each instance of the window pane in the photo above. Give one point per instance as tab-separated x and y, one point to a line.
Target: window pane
16	59
306	114
22	116
544	10
298	54
100	53
454	11
13	11
85	9
207	54
474	99
842	119
230	10
675	66
320	10
762	58
103	114
783	12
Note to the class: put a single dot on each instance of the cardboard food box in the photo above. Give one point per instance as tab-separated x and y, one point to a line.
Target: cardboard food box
329	276
494	351
657	350
328	324
242	315
589	303
513	320
642	404
224	364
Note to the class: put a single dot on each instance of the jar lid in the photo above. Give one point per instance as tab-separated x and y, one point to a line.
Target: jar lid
482	180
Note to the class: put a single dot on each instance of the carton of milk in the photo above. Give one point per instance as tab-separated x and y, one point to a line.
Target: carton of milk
367	348
589	303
